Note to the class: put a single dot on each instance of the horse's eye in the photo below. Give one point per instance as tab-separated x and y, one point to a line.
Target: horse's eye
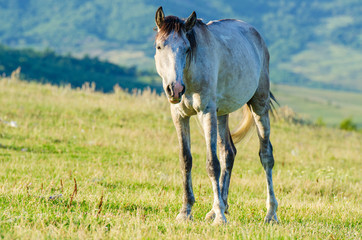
158	47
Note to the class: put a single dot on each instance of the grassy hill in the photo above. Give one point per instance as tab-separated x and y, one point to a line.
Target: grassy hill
122	151
328	106
312	43
48	67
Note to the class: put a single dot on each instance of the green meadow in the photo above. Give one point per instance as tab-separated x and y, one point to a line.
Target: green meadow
79	164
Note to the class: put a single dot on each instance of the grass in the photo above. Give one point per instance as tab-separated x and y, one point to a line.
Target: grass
123	149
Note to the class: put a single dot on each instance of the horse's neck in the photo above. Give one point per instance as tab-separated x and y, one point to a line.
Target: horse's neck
203	62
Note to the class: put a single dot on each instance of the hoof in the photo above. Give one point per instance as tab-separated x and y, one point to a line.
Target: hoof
219	220
210	215
273	219
182	217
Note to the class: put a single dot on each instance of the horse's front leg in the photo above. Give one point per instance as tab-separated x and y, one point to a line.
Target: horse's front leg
227	152
183	133
208	119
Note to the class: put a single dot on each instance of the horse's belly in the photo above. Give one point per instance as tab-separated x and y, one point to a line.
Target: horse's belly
233	91
227	105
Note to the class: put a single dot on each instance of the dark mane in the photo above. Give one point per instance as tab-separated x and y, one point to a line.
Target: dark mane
171	23
177	25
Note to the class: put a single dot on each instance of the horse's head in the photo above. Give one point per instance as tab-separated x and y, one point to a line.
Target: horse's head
173	46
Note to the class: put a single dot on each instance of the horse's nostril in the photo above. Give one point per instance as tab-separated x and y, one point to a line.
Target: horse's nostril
169	90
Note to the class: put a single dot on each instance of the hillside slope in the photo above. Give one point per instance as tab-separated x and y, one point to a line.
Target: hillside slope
82	164
314	44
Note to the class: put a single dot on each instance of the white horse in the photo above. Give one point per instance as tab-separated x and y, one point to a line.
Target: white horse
211	70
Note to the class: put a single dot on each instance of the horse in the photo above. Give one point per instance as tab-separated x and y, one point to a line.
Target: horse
211	70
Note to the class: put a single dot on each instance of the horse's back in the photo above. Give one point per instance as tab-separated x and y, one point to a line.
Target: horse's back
236	33
241	52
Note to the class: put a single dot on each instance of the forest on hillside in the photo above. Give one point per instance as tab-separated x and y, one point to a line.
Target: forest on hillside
312	43
49	67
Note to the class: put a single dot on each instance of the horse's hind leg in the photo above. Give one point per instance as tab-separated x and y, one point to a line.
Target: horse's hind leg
260	108
227	152
183	133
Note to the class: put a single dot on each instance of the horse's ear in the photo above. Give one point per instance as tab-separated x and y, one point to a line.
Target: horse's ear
160	18
190	21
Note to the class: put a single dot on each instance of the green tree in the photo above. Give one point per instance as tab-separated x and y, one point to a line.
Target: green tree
348	124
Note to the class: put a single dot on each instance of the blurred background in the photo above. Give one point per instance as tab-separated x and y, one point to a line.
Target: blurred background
315	47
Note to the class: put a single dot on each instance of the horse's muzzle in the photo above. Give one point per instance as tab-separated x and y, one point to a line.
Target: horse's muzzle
174	92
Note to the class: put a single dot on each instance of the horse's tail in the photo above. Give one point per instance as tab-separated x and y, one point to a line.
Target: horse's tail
272	107
245	125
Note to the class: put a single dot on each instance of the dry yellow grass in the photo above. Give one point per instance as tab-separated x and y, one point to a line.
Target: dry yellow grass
123	147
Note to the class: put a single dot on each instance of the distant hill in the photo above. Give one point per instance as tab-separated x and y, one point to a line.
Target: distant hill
312	43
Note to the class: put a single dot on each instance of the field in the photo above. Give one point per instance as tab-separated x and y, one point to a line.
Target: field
77	164
312	104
